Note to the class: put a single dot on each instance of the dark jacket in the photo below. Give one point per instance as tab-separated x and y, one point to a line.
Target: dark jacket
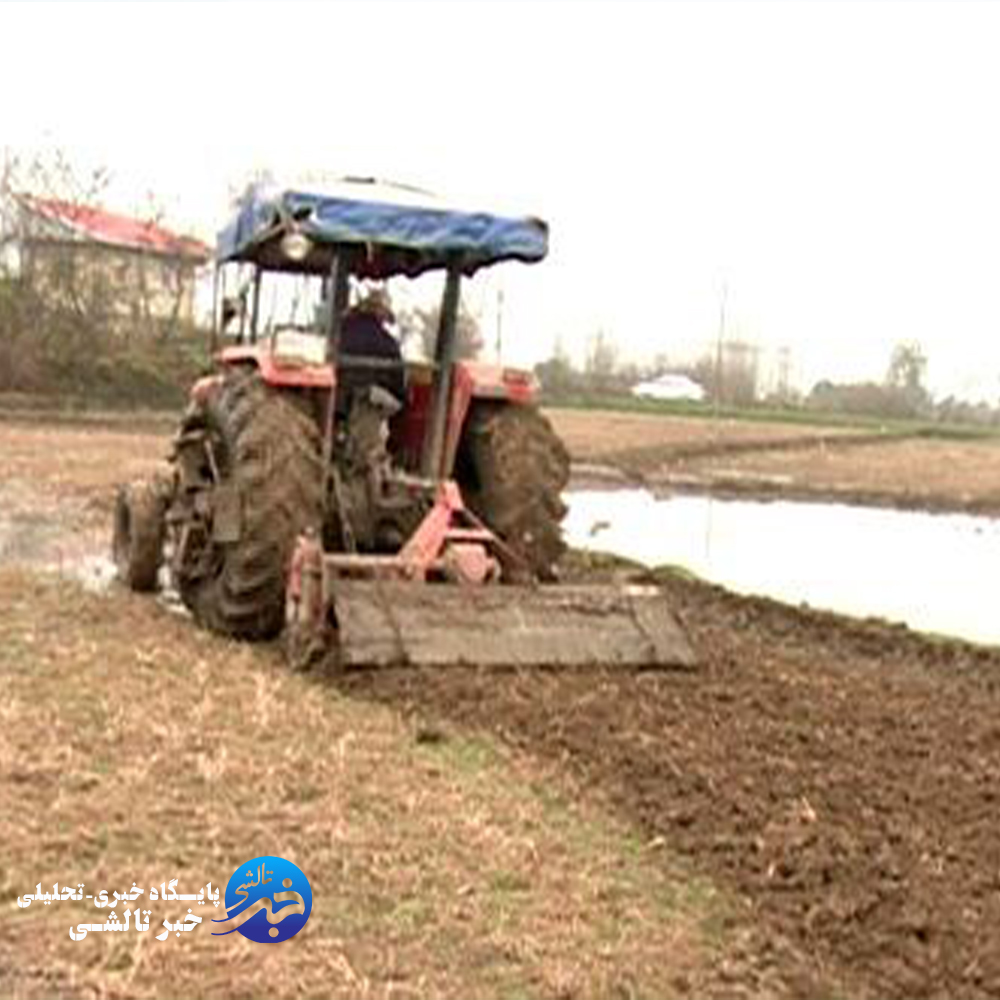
363	336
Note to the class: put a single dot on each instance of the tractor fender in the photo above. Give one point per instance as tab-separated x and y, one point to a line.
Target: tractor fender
287	373
471	381
203	388
474	380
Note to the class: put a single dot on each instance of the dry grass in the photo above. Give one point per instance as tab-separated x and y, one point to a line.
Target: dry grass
133	746
964	472
595	435
77	461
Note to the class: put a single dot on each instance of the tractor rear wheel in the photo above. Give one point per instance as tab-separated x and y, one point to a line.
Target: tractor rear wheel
266	467
512	469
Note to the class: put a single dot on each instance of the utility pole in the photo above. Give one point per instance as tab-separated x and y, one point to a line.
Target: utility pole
720	339
784	372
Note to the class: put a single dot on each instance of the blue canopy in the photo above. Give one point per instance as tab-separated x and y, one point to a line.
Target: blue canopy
384	230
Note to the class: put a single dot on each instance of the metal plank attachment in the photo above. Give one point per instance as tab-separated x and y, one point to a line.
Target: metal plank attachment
381	623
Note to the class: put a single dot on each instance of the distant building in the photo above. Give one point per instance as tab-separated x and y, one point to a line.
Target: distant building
136	276
670	387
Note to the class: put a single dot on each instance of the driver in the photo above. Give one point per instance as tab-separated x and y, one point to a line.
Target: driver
365	334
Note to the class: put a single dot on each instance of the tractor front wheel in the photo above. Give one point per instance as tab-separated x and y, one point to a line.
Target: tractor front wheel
137	543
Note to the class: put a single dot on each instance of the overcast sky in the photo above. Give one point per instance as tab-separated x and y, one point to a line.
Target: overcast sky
834	167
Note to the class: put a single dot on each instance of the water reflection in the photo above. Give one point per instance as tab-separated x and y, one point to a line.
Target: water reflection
937	573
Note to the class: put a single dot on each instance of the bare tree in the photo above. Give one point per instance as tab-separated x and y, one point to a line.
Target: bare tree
420	326
730	374
47	317
906	368
67	304
27	185
557	375
601	364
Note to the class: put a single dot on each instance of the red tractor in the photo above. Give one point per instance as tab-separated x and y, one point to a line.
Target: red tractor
303	489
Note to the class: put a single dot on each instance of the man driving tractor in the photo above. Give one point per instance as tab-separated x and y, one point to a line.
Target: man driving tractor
365	335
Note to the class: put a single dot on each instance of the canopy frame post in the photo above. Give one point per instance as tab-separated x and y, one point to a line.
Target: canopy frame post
337	294
255	303
218	298
445	351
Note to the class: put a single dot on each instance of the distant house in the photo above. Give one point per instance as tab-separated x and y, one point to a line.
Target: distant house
135	276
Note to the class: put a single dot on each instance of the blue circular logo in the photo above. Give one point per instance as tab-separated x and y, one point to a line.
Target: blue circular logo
268	900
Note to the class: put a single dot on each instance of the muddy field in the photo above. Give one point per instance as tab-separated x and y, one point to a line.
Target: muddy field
913	474
728	458
832	784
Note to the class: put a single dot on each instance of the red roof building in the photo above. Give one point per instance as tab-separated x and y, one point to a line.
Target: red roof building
96	225
122	274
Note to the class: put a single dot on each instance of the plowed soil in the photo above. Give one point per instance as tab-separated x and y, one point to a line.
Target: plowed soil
842	776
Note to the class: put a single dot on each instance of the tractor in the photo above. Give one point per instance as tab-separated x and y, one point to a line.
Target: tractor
420	525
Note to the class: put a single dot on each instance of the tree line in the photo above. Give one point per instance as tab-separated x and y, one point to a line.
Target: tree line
731	374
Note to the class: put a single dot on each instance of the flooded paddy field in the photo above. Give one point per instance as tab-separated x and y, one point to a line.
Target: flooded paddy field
934	572
751	460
